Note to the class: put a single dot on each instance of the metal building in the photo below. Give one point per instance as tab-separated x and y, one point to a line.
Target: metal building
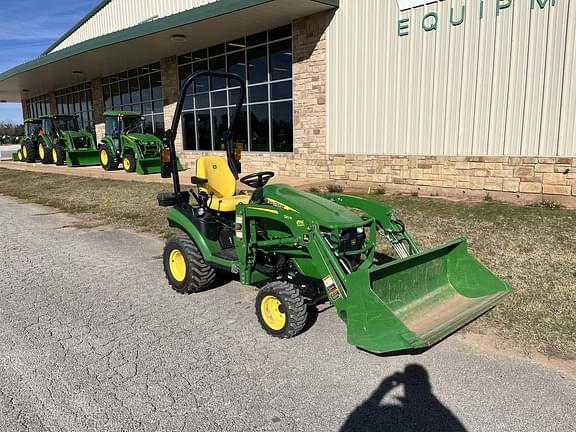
452	97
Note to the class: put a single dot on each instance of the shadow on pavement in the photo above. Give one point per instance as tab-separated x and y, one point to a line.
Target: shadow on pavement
418	411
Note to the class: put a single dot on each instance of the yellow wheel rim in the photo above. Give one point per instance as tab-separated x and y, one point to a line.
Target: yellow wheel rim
20	155
177	265
54	155
126	164
41	151
25	152
104	157
271	314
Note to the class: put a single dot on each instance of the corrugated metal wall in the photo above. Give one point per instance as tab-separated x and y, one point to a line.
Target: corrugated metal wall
121	14
497	85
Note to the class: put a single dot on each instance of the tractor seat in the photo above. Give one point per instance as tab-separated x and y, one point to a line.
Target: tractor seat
221	183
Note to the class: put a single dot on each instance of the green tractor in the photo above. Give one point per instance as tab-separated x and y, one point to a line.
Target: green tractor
29	144
302	249
126	143
63	142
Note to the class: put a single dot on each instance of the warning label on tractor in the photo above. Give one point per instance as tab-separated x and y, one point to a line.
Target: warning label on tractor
333	291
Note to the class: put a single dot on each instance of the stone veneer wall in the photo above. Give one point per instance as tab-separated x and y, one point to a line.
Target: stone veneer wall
98	108
524	179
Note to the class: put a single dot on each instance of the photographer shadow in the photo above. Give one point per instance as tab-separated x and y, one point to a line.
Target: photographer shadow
418	411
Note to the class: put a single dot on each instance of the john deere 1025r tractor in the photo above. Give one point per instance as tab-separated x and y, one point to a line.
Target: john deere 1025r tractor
127	143
29	145
62	141
301	249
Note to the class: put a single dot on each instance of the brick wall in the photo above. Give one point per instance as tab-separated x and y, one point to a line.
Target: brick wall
98	107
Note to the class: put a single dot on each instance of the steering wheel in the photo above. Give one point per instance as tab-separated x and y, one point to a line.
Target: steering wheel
257	180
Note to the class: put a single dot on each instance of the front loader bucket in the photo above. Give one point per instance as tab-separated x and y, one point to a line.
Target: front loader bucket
82	158
151	166
417	301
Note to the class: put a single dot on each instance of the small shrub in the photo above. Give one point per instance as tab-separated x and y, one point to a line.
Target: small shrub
551	205
488	198
414	194
335	188
314	190
380	190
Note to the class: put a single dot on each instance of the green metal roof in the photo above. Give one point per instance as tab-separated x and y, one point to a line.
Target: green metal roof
201	13
122	114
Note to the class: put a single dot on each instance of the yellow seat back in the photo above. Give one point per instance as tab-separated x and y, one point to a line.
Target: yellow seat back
221	181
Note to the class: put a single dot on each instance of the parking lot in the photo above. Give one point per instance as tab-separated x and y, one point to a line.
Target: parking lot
92	338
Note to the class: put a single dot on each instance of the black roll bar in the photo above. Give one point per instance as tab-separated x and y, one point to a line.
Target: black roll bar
230	133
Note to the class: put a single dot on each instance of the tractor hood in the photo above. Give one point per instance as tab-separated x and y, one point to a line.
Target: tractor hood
142	137
311	208
75	134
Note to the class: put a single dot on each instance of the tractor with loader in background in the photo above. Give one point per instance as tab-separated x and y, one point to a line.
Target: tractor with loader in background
29	144
63	142
300	249
126	143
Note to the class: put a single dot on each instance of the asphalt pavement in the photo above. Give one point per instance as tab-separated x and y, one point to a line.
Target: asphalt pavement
93	339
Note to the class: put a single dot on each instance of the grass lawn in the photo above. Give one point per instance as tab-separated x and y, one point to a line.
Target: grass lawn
534	249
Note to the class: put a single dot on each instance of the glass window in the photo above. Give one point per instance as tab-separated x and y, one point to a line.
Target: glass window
138	90
281	60
257	65
218	64
281	32
111	126
237	64
204	130
189	131
258	93
257	39
220	126
282	127
281	90
266	120
259	127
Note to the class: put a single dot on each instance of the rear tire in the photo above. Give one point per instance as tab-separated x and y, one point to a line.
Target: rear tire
28	151
47	159
58	154
107	158
129	163
185	267
281	309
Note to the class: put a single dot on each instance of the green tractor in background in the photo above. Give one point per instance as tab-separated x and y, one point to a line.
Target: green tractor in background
126	143
29	144
301	249
63	142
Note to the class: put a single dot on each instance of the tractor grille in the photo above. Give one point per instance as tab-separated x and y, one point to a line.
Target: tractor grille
149	149
80	143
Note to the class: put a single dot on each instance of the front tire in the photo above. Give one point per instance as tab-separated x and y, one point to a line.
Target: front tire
281	309
129	163
58	154
185	267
